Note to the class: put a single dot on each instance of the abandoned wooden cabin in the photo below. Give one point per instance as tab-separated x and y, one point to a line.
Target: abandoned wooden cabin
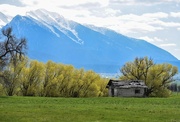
133	88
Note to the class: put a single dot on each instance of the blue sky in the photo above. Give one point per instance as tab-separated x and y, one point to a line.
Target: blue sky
156	21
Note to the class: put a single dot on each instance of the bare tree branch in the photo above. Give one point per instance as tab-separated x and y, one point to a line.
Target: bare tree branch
11	47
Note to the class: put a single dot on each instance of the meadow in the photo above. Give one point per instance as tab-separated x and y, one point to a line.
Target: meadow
102	109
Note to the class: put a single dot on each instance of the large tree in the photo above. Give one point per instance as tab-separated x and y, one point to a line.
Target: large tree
156	76
11	48
12	51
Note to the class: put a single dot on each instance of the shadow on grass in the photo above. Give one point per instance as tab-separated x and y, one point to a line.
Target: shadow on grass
4	97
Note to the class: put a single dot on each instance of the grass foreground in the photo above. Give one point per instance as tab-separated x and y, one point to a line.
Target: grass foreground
38	109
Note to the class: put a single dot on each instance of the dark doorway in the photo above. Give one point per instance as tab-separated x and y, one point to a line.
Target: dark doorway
112	92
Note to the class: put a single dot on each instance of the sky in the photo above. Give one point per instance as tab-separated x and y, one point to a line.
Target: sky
156	21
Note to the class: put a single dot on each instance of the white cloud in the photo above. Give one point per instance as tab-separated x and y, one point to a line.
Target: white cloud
158	39
175	14
142	2
156	15
151	40
147	39
13	10
168	45
134	23
111	12
49	3
177	49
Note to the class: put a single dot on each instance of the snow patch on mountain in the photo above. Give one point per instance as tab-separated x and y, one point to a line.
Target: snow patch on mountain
54	21
97	29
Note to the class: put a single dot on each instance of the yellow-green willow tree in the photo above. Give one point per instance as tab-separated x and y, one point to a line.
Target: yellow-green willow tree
66	81
31	79
51	79
156	76
11	75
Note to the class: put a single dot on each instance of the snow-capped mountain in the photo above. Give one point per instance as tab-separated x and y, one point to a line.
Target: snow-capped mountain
52	37
52	19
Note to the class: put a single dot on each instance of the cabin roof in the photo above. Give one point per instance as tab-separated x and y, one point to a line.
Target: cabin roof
126	83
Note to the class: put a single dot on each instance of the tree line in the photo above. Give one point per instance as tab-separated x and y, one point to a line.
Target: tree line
24	77
34	78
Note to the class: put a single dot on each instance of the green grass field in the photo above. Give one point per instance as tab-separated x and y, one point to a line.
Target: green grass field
35	109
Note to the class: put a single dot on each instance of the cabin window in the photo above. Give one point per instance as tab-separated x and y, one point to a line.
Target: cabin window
137	91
